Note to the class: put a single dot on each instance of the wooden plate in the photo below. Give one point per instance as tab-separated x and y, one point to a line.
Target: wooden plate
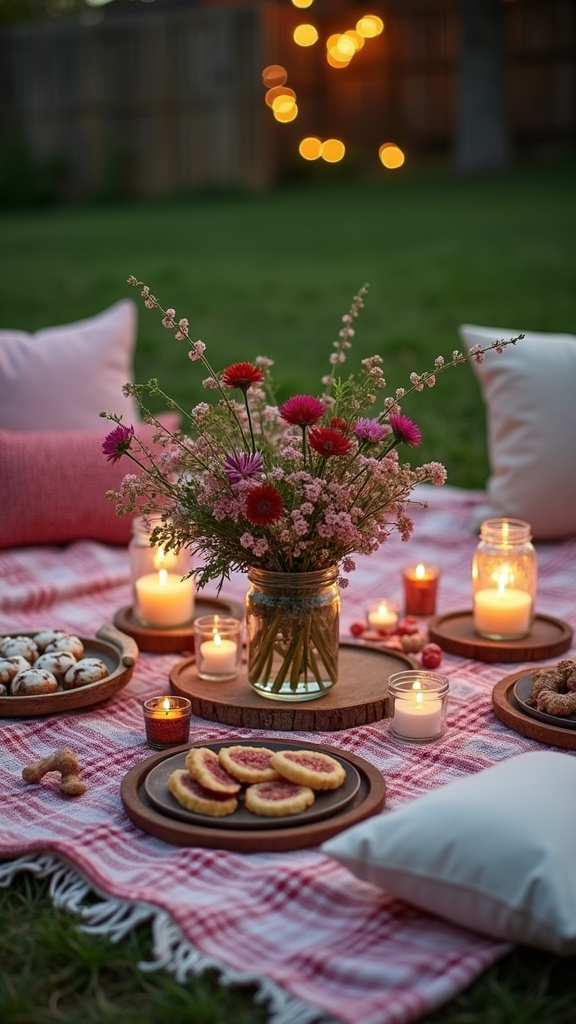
455	632
358	698
118	652
325	805
178	639
509	711
369	799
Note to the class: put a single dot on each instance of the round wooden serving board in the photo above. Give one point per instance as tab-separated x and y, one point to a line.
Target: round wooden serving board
455	632
178	639
509	711
118	652
369	799
358	698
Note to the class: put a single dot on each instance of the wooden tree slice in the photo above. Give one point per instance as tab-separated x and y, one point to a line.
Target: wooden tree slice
455	632
358	698
369	800
508	710
177	639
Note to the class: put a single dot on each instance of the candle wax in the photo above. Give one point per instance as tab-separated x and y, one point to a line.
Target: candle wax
502	613
417	718
383	617
218	656
164	599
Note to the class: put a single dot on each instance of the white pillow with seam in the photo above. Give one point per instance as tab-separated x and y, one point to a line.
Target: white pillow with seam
494	852
61	378
530	395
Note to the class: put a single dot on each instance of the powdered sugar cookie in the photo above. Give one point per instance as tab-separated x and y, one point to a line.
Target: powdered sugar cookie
67	642
48	636
20	645
10	667
32	682
56	662
194	797
86	670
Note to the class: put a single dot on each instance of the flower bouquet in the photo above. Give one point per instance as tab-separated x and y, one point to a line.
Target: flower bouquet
286	493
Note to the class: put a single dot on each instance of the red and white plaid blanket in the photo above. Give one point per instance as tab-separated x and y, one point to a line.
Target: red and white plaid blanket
320	944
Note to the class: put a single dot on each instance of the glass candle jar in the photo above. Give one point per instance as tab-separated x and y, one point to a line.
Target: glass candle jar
417	706
217	647
167	721
504	579
382	615
161	597
420	588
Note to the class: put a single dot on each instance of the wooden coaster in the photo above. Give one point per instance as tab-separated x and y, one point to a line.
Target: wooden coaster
179	639
455	632
358	698
509	711
369	799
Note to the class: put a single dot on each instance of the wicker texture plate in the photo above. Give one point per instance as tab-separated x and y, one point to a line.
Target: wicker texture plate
118	652
358	698
455	632
369	799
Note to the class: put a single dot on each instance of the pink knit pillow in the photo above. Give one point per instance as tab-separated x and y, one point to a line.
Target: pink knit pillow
53	486
62	378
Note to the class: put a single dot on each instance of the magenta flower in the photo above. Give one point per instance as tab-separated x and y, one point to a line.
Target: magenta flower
117	442
405	429
327	441
242	467
242	375
302	410
370	430
264	505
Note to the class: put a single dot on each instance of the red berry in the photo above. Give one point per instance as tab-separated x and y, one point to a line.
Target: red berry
431	656
357	628
407	625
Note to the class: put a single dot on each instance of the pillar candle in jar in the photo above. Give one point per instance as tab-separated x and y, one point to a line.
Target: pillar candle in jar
383	615
417	714
164	600
420	586
502	612
167	721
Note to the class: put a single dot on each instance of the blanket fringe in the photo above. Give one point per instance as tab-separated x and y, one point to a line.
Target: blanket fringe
171	950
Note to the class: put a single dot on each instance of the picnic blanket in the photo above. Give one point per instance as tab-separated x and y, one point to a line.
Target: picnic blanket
319	944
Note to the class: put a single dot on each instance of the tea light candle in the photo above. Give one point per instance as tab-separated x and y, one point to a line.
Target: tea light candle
164	600
502	612
218	647
383	615
417	708
167	721
420	586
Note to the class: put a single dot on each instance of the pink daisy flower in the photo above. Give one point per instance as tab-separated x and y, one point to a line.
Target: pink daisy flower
405	429
264	505
302	410
242	467
327	441
242	375
370	430
117	442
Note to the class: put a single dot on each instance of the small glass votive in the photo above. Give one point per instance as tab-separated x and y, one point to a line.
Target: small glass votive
417	706
167	721
382	615
217	647
420	588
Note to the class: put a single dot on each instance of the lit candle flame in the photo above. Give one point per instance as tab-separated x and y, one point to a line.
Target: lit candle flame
420	571
166	705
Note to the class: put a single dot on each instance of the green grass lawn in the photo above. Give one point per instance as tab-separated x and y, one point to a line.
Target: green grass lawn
271	275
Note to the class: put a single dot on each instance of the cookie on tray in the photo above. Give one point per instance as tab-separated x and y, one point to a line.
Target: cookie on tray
278	797
204	766
248	764
309	768
194	797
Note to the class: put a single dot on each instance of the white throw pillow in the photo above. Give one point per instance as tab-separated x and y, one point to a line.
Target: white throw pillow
61	378
494	852
530	396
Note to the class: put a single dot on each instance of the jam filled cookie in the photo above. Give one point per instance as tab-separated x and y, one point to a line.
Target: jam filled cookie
277	797
248	764
204	766
194	797
309	768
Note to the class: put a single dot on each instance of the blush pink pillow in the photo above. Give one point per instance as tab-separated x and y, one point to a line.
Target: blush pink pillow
53	486
62	378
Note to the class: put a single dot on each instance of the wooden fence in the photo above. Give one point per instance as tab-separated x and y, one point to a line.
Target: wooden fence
171	101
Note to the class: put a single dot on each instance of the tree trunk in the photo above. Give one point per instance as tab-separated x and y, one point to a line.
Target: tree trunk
482	133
